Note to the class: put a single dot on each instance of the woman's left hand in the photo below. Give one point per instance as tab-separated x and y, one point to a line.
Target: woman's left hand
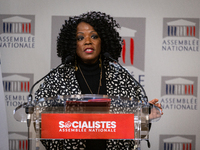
155	102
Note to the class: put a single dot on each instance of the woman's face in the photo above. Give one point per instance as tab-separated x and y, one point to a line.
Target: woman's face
88	43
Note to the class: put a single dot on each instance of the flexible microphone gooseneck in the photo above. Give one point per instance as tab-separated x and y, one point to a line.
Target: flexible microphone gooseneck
29	109
67	60
29	106
107	55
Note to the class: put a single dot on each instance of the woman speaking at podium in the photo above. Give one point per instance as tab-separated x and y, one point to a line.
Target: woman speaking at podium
90	43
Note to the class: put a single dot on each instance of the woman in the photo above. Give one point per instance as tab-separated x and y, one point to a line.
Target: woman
87	38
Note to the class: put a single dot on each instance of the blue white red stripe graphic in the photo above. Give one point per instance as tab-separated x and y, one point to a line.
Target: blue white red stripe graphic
179	86
17	25
16	83
16	86
177	146
17	144
177	143
181	28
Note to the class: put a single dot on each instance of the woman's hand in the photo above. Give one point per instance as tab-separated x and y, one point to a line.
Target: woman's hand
155	103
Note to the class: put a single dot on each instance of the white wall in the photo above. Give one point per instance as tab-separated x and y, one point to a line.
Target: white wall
158	63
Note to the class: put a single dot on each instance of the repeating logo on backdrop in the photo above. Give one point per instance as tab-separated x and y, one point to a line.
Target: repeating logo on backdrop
178	142
17	31
179	93
132	32
16	88
18	141
180	34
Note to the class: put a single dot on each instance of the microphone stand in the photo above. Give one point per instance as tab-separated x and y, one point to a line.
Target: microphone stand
145	98
29	108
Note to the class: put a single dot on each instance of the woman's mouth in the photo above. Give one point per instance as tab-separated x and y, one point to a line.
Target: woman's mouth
88	50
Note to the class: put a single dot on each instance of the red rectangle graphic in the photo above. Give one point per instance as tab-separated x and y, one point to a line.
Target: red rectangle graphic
87	126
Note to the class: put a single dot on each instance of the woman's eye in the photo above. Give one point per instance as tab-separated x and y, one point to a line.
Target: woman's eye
94	36
79	38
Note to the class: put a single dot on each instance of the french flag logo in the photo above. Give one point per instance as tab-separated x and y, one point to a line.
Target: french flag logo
177	143
181	28
16	83
179	86
18	142
17	25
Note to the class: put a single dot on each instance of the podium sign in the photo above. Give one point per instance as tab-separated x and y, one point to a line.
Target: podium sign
88	116
87	126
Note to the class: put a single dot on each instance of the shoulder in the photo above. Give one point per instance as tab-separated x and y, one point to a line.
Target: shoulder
117	70
54	81
60	72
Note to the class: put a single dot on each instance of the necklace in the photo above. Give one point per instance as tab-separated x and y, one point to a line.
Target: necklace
87	82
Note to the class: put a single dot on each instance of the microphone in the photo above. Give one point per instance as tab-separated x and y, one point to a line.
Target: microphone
108	56
68	59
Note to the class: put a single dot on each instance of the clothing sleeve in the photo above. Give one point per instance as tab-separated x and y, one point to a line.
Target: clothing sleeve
132	87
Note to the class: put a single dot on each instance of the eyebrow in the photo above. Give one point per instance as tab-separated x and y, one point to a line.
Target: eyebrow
83	33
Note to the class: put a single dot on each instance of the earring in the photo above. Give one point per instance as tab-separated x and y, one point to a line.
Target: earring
76	68
100	61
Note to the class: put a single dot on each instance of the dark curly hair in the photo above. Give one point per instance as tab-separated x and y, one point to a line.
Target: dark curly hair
102	23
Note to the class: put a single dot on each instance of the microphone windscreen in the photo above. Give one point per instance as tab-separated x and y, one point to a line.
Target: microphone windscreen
107	55
68	59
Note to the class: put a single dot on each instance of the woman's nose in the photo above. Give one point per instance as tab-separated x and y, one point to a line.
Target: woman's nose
88	40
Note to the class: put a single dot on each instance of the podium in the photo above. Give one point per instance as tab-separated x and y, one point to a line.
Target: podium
87	116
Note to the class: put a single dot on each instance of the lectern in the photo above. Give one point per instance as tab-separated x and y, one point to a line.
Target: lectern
88	116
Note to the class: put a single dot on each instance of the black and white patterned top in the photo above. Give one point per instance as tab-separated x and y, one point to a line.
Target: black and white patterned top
63	81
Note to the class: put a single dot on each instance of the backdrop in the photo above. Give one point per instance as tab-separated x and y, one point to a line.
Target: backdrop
162	53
